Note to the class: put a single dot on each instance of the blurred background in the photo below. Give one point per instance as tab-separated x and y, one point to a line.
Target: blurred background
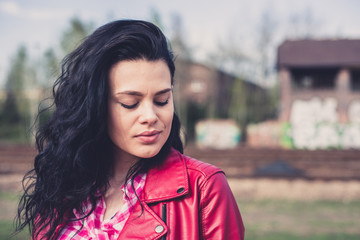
267	90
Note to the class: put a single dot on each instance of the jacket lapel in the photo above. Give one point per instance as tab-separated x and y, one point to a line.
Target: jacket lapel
143	224
163	183
167	181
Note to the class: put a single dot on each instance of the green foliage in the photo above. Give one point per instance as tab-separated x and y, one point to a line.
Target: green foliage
18	110
73	36
251	103
274	100
178	41
7	229
238	106
50	68
294	219
195	112
16	77
10	114
14	112
155	18
8	201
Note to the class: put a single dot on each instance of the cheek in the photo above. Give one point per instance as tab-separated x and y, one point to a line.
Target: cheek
169	117
111	116
115	121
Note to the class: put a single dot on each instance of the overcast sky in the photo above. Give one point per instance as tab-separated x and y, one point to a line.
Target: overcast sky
39	23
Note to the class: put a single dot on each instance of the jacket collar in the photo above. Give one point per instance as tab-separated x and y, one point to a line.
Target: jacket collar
170	180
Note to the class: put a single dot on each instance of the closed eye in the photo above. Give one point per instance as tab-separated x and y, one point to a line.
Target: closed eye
129	106
159	103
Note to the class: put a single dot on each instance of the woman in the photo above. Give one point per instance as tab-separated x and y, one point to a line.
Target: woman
114	123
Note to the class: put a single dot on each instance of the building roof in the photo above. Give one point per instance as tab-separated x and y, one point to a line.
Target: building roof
319	53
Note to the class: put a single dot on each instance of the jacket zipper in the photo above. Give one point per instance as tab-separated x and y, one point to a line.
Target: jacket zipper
164	218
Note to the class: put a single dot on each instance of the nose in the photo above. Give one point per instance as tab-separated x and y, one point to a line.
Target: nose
148	115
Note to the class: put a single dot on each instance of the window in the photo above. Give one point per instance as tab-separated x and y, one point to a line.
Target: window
315	79
355	80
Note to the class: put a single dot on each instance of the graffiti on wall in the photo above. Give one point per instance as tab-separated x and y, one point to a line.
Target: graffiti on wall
313	124
354	112
217	134
351	132
265	134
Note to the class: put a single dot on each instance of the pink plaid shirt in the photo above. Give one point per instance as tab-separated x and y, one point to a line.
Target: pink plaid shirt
95	227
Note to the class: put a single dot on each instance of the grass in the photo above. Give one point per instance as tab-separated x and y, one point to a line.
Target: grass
292	220
7	228
290	236
8	205
264	219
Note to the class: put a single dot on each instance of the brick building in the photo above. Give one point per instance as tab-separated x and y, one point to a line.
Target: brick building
320	92
203	92
323	68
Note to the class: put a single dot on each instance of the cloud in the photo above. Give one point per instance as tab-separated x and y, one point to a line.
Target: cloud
10	8
14	9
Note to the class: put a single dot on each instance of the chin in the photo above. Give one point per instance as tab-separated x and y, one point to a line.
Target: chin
148	153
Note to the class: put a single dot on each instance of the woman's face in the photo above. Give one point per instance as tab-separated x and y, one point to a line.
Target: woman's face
140	106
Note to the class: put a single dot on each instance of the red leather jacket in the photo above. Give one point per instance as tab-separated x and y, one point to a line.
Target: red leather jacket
185	199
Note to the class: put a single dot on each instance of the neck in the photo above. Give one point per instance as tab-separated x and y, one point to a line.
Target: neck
123	161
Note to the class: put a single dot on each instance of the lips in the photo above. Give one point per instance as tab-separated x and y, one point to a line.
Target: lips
148	137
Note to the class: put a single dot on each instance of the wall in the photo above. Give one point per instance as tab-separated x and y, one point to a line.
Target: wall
217	134
313	124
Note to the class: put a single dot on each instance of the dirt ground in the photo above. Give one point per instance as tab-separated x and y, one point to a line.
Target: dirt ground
260	216
330	175
299	189
259	188
291	205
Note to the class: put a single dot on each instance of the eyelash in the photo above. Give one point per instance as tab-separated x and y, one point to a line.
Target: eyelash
162	103
129	106
134	105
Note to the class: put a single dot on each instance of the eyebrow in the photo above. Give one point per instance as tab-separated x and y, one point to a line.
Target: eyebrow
135	93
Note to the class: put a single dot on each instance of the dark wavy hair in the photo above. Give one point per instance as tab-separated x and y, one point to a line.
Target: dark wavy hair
74	151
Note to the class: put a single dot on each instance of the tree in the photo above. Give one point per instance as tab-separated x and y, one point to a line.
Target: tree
10	112
50	65
15	110
155	18
178	43
267	30
73	36
238	106
229	56
16	78
27	83
302	25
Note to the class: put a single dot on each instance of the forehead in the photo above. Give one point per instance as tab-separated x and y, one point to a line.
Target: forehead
140	75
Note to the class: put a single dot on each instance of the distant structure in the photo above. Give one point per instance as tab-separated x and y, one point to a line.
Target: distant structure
206	93
320	92
319	68
320	97
199	84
